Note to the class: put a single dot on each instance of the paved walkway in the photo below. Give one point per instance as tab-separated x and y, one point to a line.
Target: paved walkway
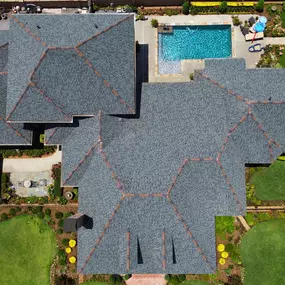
146	279
274	41
31	164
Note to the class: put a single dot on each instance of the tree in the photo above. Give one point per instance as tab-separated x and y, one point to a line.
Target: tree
185	8
259	6
223	7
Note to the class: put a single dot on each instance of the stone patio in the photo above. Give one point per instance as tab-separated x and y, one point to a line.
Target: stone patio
36	178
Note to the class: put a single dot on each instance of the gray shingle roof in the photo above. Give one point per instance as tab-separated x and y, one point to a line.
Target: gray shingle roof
167	174
64	56
11	134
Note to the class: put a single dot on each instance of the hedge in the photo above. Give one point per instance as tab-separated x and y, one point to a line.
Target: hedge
12	212
4	182
4	217
57	188
28	152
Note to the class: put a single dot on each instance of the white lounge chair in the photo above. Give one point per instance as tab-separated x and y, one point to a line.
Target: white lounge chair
250	36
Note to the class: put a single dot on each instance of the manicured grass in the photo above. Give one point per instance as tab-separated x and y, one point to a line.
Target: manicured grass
262	251
270	182
27	248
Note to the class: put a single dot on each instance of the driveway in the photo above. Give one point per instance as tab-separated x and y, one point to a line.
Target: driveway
31	164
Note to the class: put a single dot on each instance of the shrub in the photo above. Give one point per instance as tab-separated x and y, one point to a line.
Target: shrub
64	280
12	212
4	217
48	212
229	247
65	241
62	200
60	223
224	225
154	23
174	280
42	138
96	7
194	10
283	7
4	182
18	209
223	7
259	6
191	76
36	210
127	276
185	8
182	277
236	21
40	215
68	214
167	277
59	231
59	215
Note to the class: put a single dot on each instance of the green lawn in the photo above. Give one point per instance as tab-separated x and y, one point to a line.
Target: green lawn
270	182
262	251
27	248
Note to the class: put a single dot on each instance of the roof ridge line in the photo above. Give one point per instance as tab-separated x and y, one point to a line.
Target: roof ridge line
106	83
198	248
98	241
220	153
90	150
50	100
119	184
180	169
102	32
268	139
27	30
238	97
51	135
18	133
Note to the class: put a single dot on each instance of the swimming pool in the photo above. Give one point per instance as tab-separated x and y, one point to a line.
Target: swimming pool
192	42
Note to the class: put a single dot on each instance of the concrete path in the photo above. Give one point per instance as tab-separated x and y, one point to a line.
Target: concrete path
265	208
31	164
146	279
274	41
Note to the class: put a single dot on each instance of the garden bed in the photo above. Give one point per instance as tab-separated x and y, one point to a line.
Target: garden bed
273	57
275	26
28	153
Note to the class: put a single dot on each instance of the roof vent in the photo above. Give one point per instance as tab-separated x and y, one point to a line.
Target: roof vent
173	253
120	120
139	253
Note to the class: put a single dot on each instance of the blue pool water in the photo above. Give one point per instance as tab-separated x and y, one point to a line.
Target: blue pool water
194	42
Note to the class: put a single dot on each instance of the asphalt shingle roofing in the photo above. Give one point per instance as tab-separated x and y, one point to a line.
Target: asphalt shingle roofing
154	185
57	59
10	133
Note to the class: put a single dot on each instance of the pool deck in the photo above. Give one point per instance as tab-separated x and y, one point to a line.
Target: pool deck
147	35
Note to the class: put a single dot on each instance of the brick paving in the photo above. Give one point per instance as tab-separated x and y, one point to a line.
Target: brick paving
146	279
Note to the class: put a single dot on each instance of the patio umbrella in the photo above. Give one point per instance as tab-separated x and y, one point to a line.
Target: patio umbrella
259	27
263	20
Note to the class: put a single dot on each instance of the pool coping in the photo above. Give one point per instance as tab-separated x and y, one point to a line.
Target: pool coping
157	74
